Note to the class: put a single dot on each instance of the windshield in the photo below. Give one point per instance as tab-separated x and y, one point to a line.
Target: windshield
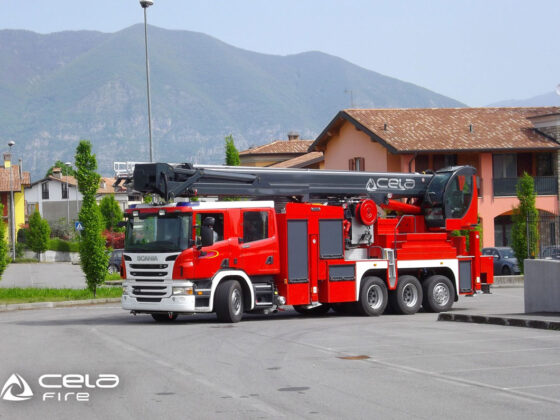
434	193
151	232
508	253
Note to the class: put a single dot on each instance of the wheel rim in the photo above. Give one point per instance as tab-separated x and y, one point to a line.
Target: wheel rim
236	301
374	297
410	295
112	269
441	294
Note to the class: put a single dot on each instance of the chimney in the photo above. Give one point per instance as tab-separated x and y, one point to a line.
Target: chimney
57	173
20	168
292	135
7	160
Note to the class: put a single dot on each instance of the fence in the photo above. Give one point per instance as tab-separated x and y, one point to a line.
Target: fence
548	232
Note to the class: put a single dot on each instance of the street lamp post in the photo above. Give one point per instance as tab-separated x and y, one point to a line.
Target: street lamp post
12	211
68	165
145	4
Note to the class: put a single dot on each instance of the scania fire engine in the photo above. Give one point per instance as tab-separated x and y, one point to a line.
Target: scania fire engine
314	239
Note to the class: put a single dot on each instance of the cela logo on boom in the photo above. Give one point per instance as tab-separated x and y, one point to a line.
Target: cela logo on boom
390	184
146	258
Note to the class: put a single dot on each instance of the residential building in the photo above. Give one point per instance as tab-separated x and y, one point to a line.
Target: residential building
280	151
501	143
57	197
13	179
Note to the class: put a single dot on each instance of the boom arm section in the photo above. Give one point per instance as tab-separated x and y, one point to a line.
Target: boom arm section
171	181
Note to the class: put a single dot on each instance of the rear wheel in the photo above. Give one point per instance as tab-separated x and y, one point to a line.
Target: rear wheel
373	297
506	271
407	298
314	311
228	303
165	317
438	294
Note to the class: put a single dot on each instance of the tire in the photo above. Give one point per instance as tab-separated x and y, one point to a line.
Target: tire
315	311
438	294
506	271
228	303
113	269
373	297
407	298
164	317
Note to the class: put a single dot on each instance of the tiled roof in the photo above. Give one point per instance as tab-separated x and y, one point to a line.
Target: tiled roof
279	146
108	188
442	129
17	182
300	161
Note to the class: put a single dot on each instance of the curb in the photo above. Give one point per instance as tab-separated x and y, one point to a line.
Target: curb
500	320
509	281
61	304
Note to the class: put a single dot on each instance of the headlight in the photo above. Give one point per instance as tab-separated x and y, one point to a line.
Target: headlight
188	290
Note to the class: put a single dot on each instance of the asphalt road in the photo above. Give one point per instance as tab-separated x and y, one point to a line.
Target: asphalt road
56	275
287	366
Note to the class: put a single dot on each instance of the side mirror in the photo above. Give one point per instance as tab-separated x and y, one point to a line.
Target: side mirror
207	236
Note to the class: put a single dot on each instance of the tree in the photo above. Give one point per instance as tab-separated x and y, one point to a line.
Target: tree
93	257
111	212
39	233
64	169
525	220
232	155
4	257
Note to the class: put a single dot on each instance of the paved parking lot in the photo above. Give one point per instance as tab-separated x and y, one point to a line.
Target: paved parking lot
288	366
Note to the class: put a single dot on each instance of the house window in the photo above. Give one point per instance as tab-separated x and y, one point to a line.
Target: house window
357	164
422	163
45	190
443	161
504	166
545	166
64	190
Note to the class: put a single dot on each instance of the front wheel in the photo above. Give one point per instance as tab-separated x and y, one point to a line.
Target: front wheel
407	298
506	271
113	269
373	297
228	302
438	294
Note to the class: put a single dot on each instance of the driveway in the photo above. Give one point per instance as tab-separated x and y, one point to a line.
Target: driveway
53	275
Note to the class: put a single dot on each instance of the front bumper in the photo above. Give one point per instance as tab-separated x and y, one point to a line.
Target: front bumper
166	304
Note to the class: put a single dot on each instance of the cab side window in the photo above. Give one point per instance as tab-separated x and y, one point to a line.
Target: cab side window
255	226
218	224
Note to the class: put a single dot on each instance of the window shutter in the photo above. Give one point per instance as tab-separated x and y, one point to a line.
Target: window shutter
352	165
362	164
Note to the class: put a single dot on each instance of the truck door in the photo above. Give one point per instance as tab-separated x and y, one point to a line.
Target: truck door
259	248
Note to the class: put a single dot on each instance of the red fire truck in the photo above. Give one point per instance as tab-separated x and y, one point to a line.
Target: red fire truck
316	240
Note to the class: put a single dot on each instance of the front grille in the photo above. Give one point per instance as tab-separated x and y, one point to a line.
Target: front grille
149	290
149	266
148	299
148	273
150	280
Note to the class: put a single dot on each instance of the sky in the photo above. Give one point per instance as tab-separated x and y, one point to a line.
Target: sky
477	51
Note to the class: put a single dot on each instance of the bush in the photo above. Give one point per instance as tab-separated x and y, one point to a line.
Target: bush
4	254
61	229
39	232
114	240
57	244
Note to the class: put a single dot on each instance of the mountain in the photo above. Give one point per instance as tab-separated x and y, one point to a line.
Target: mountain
59	88
546	99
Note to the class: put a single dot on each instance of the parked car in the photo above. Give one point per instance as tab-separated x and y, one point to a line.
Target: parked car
551	252
115	261
505	262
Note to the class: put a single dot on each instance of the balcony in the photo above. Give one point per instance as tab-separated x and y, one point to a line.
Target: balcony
544	185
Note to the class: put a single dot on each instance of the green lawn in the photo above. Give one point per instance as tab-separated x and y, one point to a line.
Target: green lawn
28	295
